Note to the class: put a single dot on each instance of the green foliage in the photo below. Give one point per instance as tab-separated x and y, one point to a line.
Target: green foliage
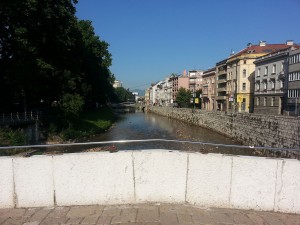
123	95
90	123
72	106
10	137
47	53
183	97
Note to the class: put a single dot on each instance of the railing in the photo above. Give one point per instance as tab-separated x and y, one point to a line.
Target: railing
221	81
19	118
269	92
150	140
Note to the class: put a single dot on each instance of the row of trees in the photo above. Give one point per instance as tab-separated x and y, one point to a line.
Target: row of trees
49	57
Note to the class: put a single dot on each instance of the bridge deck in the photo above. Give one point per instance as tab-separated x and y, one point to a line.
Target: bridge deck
147	214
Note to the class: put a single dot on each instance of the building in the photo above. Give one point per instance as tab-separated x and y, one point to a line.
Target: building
147	96
208	89
177	82
164	92
117	84
195	80
240	75
221	82
293	84
269	86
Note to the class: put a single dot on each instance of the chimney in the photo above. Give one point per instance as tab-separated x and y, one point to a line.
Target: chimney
289	42
249	44
262	43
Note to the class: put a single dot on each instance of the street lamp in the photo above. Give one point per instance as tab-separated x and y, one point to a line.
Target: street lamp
194	97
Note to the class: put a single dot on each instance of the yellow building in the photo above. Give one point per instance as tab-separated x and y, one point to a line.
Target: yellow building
241	75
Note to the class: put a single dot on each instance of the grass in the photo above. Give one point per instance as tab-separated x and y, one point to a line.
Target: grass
90	123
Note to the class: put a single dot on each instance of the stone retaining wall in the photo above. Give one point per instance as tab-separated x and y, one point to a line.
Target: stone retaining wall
127	177
248	129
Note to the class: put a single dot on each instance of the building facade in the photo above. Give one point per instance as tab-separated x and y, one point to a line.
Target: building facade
241	74
269	86
117	84
221	81
195	80
293	84
208	89
177	82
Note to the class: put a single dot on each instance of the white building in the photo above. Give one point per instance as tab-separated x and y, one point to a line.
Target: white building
117	84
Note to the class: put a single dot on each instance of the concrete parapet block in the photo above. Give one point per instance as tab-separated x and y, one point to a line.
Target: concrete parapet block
287	197
209	177
160	176
33	179
93	178
6	183
253	183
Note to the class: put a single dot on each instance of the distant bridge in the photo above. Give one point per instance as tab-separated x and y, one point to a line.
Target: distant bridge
124	107
19	118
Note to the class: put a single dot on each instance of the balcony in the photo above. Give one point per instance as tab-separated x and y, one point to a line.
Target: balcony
221	97
221	81
264	92
221	89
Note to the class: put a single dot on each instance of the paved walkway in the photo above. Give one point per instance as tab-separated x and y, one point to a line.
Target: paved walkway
148	214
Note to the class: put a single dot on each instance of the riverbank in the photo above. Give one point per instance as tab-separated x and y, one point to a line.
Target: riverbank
88	124
246	128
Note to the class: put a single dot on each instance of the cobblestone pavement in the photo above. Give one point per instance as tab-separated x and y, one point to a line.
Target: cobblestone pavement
147	214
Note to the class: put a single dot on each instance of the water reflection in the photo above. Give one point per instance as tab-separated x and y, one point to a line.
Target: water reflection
140	125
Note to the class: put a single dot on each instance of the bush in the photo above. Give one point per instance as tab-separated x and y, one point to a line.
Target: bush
72	105
10	137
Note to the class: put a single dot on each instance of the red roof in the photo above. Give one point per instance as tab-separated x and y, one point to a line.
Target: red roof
268	48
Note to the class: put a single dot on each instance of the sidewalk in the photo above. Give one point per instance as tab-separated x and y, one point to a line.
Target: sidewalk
146	214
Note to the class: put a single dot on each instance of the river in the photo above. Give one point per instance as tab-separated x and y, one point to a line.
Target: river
141	126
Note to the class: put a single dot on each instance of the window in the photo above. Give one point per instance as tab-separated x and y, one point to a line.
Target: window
257	86
257	101
272	83
273	101
244	73
266	71
265	85
274	69
245	61
294	93
265	101
258	72
244	86
282	67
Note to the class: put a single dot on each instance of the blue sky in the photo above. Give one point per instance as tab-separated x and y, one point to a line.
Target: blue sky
150	39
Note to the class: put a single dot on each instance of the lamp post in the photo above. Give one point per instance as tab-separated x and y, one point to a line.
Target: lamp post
194	95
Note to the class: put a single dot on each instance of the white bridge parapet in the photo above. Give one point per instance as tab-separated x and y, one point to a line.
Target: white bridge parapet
206	180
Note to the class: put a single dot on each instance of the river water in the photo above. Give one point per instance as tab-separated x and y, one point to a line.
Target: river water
141	126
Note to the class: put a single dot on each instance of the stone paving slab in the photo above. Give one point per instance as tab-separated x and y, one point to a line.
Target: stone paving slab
143	214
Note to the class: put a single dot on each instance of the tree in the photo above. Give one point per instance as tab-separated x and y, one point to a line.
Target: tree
46	53
95	62
123	95
72	106
183	97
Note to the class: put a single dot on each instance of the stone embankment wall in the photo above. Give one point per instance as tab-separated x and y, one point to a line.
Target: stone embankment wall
248	129
206	180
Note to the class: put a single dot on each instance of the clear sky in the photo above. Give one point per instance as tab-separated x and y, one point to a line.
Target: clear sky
150	39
